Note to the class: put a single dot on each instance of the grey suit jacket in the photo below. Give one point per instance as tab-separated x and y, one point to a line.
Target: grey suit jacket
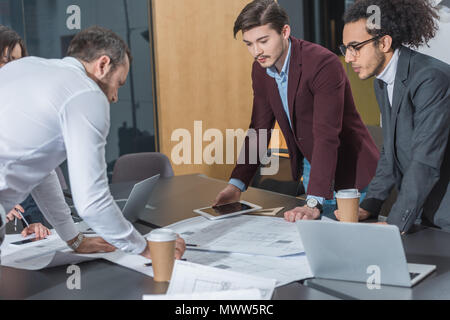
416	152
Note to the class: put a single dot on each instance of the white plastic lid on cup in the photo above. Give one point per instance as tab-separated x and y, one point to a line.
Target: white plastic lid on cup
348	194
162	235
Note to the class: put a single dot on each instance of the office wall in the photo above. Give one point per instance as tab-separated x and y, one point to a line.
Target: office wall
364	96
202	74
296	16
43	25
439	47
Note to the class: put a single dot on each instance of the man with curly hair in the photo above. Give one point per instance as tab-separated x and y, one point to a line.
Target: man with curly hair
304	87
412	90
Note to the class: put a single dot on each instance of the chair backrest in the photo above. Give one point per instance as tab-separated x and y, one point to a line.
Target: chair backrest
377	134
140	166
281	182
62	180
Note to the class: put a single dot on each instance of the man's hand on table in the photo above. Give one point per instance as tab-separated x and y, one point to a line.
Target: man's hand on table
93	245
38	229
302	213
228	195
362	214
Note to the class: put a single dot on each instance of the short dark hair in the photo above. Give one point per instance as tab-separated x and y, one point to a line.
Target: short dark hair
408	22
259	13
94	42
8	40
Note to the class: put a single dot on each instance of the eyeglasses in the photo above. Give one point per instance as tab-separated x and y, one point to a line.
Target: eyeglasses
354	48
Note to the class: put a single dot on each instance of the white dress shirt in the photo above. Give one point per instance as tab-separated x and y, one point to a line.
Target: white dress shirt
389	73
51	110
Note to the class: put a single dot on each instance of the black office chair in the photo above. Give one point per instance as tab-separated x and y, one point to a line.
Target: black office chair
282	181
140	166
377	134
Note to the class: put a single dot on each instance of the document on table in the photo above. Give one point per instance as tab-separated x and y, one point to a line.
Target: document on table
267	212
285	270
328	219
131	261
246	294
51	252
190	278
255	235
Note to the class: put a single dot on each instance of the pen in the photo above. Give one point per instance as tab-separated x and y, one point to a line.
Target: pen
15	224
88	232
150	264
24	220
191	245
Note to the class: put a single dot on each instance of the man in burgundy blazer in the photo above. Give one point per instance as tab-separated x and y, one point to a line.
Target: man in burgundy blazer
316	114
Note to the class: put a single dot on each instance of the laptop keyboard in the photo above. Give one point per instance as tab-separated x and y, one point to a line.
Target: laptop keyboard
413	275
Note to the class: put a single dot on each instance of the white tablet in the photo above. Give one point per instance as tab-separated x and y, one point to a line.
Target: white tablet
227	210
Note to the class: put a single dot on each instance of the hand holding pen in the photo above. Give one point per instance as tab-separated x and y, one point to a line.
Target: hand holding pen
15	213
41	231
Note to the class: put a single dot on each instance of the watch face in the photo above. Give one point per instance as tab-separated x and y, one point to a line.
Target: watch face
312	203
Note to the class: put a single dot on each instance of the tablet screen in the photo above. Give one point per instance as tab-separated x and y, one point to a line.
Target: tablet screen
227	209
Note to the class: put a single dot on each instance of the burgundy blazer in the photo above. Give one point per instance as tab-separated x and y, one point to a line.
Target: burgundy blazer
327	129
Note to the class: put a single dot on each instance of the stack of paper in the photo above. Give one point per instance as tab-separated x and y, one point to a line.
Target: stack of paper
285	270
194	281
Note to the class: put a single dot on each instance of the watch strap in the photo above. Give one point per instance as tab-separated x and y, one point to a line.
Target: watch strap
76	244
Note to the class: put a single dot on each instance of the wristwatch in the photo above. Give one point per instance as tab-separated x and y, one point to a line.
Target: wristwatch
313	204
74	246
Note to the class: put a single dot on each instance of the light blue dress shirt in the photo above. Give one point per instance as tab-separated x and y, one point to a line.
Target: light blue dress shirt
388	74
282	80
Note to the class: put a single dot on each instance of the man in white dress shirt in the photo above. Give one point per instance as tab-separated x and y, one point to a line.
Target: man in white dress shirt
51	110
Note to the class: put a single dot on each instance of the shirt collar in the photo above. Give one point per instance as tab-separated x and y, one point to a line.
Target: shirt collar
388	74
74	63
272	71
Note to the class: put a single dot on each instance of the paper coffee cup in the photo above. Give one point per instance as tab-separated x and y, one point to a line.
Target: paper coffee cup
162	251
348	204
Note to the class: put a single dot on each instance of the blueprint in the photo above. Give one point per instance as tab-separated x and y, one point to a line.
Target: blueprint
189	278
254	235
285	270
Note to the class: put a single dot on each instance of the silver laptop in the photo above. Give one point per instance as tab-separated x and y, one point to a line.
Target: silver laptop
138	199
356	251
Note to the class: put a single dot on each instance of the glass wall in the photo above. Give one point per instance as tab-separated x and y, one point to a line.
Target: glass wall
295	11
47	26
323	22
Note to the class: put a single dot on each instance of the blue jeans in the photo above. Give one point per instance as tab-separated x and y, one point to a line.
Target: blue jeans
329	206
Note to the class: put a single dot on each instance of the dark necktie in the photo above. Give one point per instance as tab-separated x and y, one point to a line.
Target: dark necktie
384	90
385	108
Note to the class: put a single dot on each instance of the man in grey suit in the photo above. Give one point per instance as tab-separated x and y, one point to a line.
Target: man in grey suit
413	93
